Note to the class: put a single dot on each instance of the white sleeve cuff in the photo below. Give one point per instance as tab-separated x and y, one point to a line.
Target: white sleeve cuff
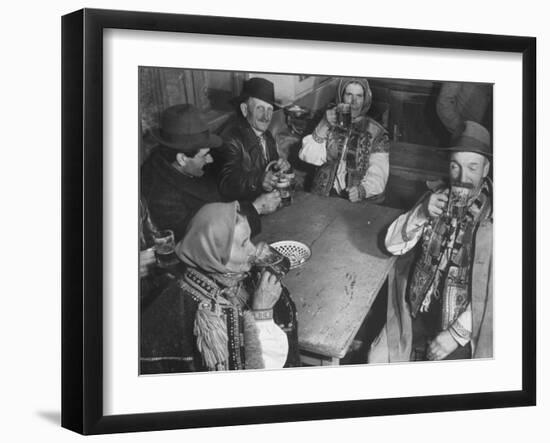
377	174
461	329
313	152
274	344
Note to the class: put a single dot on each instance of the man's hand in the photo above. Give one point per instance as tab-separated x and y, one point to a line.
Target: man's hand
268	292
436	204
282	165
441	346
354	195
267	203
146	261
269	181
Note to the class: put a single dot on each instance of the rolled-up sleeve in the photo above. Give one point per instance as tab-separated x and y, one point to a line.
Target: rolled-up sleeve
274	344
405	231
313	152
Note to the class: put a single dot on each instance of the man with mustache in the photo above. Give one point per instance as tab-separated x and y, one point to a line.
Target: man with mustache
174	185
441	305
249	147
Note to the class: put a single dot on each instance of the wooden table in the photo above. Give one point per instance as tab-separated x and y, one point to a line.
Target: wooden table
335	289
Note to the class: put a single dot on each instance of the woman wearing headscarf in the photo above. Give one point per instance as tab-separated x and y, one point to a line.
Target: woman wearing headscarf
219	318
353	162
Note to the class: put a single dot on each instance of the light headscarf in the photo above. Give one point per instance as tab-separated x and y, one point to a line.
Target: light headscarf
207	242
344	82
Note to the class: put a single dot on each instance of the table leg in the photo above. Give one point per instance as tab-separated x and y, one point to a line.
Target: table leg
312	359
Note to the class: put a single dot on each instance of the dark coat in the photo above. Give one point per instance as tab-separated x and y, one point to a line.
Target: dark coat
241	163
173	198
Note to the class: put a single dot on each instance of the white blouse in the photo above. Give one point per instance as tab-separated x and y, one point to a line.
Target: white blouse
375	179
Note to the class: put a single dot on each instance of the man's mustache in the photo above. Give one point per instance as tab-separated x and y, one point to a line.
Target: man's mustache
459	184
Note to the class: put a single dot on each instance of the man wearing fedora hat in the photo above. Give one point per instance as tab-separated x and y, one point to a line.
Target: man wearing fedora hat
173	181
441	303
249	146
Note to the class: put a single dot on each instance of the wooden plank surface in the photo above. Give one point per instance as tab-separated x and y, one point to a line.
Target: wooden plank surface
335	289
418	161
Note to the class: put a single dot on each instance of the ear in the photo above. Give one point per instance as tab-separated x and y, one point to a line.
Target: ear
486	167
244	109
181	158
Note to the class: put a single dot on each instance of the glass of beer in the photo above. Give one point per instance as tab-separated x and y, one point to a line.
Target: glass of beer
165	248
343	115
271	260
284	187
458	199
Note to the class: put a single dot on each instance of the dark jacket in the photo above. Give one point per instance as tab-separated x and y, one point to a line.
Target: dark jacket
241	162
173	198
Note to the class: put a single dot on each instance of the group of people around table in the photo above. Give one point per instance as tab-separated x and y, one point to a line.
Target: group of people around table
211	191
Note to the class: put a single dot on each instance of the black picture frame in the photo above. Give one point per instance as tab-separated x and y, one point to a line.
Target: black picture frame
82	218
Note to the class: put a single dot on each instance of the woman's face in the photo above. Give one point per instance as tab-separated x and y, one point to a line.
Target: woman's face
355	97
243	251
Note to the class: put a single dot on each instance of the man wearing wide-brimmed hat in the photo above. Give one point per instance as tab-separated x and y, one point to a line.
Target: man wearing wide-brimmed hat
441	303
249	146
173	181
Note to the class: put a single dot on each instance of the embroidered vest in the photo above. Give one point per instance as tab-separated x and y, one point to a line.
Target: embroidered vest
443	270
218	323
366	137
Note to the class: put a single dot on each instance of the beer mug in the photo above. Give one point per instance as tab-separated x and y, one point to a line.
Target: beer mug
284	182
269	259
284	186
165	248
458	199
343	116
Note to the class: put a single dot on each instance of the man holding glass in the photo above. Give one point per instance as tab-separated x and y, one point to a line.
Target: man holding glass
442	299
174	184
249	147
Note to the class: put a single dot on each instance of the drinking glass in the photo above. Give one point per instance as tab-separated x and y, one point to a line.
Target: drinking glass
343	115
165	248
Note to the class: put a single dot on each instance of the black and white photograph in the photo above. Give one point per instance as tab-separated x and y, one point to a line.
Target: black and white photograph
289	220
275	221
286	221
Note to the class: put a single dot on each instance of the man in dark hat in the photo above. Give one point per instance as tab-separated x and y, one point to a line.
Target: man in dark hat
442	298
249	146
173	181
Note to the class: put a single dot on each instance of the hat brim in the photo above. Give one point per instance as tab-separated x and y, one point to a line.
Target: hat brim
213	142
470	144
467	149
243	97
